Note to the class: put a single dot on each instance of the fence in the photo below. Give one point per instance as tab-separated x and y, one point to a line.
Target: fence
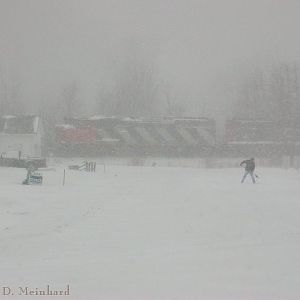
89	166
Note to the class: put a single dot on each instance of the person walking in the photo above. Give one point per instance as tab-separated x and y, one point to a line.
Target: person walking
249	169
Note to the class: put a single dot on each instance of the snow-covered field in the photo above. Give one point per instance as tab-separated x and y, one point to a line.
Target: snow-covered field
152	233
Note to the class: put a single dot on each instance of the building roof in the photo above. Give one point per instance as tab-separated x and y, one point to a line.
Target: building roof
19	124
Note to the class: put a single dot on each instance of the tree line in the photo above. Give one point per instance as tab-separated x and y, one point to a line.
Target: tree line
270	93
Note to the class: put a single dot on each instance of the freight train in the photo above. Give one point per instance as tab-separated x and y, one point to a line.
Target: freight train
121	136
261	138
172	136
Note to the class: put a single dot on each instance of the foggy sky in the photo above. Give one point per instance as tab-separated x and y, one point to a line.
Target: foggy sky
196	45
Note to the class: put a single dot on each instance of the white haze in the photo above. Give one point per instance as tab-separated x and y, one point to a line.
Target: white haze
199	47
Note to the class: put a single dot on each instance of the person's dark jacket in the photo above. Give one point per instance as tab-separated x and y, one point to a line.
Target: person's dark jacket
249	165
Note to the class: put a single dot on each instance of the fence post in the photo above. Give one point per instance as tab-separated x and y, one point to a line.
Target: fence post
64	177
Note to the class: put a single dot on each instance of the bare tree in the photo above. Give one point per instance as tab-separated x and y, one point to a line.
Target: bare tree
271	94
173	106
49	113
70	100
251	96
10	99
284	92
105	102
136	89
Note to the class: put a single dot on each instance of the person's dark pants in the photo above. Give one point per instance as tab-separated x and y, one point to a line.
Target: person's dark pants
251	173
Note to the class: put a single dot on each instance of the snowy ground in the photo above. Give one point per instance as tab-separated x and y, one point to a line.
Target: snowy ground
153	233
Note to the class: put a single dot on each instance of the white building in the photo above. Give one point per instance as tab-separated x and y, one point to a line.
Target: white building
21	136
